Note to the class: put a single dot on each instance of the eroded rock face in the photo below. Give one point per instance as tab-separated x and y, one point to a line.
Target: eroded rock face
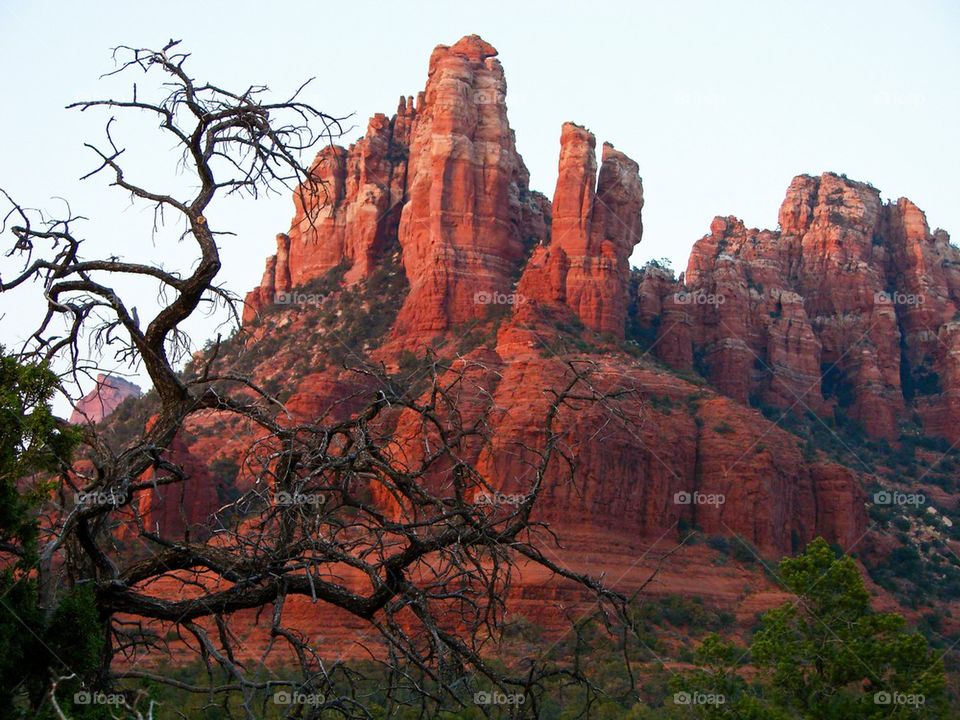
348	218
185	510
806	316
595	226
105	397
764	491
463	228
850	303
471	232
444	181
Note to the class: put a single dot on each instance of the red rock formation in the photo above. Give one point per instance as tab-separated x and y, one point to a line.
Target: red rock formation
184	509
348	217
595	226
851	303
105	397
462	229
466	221
265	293
443	179
660	319
795	317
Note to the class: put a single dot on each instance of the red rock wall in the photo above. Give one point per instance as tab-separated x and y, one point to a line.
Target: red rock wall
348	218
848	287
459	228
446	183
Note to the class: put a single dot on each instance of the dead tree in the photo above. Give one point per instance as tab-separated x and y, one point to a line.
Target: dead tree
398	544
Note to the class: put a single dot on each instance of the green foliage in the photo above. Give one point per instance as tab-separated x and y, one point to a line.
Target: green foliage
836	218
836	384
720	543
225	472
908	568
129	419
639	334
32	442
20	665
683	612
920	379
662	403
36	642
717	691
700	362
73	637
663	263
827	654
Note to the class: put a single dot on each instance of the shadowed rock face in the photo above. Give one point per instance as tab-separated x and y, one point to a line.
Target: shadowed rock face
852	302
105	397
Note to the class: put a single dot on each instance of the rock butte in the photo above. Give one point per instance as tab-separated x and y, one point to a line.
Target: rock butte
849	288
440	185
103	399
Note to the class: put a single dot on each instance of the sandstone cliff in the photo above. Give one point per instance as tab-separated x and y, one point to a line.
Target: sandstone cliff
851	304
426	234
441	184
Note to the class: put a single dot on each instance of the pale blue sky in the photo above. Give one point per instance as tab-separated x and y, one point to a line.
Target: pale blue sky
721	104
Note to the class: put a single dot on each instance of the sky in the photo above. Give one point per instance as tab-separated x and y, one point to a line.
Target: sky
721	104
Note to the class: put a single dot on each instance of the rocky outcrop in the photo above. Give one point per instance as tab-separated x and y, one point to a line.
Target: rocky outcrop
764	490
820	314
265	293
471	234
346	218
464	229
184	510
444	181
595	226
849	305
105	397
